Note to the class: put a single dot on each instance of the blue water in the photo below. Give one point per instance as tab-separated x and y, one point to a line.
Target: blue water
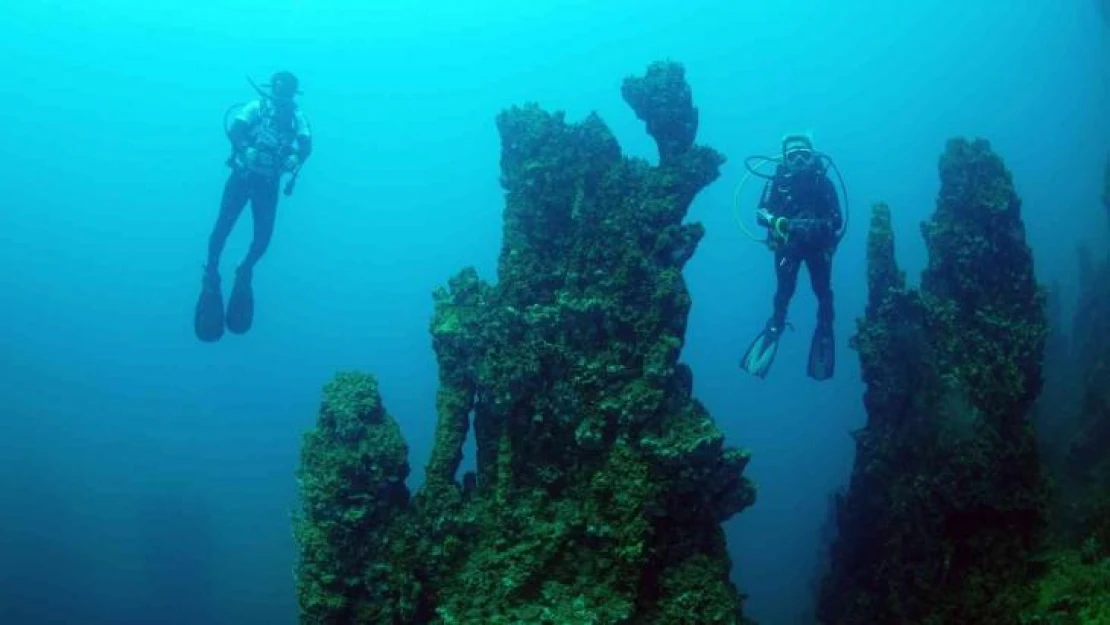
146	477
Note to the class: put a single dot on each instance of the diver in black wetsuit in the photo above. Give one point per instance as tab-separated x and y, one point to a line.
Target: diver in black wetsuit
801	211
269	136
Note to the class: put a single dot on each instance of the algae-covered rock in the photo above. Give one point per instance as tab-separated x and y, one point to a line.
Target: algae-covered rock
662	99
1074	591
980	261
601	482
947	500
352	485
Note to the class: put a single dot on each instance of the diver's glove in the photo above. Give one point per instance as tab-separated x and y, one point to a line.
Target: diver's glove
780	227
292	163
764	217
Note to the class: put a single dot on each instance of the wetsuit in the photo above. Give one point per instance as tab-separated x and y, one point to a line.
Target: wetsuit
802	211
263	138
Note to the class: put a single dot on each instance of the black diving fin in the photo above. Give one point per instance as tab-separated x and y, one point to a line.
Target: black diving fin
822	353
208	320
240	304
759	357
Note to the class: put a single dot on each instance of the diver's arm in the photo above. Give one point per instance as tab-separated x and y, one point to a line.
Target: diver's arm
239	134
768	204
240	131
303	143
304	148
832	205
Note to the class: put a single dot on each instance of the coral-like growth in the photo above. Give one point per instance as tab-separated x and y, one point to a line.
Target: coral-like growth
946	498
981	268
662	99
352	482
1076	591
601	483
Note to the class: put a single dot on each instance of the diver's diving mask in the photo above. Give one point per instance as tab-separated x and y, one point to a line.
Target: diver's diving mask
798	154
283	88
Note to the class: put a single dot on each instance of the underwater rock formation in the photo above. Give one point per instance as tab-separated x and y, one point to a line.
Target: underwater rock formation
352	485
946	499
1073	590
1086	475
601	482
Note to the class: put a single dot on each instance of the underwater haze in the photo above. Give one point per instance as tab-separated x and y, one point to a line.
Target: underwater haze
148	477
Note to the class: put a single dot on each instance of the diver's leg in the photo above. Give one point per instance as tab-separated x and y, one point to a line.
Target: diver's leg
264	198
208	319
240	307
236	194
760	355
786	275
822	349
819	264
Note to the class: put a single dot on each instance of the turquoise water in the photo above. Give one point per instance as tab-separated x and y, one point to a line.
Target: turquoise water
149	477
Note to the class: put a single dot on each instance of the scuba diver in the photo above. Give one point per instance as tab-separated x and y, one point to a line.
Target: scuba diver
800	209
269	137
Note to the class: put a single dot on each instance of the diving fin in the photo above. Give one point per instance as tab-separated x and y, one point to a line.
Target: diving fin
208	320
822	353
240	305
761	353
